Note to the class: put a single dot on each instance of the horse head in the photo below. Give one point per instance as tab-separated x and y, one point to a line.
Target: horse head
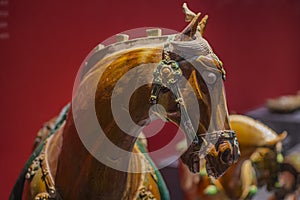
188	60
266	145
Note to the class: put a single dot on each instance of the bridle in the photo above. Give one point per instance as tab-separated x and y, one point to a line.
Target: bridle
165	78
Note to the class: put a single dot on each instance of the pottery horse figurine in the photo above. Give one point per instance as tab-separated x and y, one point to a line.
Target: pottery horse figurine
259	165
62	167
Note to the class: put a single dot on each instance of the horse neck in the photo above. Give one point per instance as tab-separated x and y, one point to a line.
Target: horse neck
76	165
90	178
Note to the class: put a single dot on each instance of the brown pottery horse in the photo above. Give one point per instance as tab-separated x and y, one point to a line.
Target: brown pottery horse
187	74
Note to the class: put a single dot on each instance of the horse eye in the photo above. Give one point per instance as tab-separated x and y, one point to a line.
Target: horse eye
210	77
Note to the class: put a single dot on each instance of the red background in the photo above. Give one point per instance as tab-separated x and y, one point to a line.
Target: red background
257	40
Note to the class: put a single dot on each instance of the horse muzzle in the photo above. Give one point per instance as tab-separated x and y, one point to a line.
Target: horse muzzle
222	153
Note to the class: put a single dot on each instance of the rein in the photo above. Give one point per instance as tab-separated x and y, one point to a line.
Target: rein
166	77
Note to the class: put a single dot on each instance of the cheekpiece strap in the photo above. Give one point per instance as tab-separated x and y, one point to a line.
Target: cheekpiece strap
165	77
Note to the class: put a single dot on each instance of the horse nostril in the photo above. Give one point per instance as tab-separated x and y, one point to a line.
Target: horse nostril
226	157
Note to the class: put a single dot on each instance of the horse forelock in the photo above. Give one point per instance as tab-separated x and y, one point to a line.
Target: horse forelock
190	48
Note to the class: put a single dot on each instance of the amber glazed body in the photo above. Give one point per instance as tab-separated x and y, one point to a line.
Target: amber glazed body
63	168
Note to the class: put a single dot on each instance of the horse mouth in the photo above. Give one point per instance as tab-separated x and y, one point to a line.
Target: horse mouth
213	167
216	170
221	152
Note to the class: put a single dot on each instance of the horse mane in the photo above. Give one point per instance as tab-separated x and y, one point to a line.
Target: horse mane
101	52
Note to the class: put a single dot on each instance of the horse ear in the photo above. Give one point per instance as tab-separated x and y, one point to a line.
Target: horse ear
189	31
202	24
279	138
189	15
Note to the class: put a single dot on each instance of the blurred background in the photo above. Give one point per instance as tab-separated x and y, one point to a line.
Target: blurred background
42	45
